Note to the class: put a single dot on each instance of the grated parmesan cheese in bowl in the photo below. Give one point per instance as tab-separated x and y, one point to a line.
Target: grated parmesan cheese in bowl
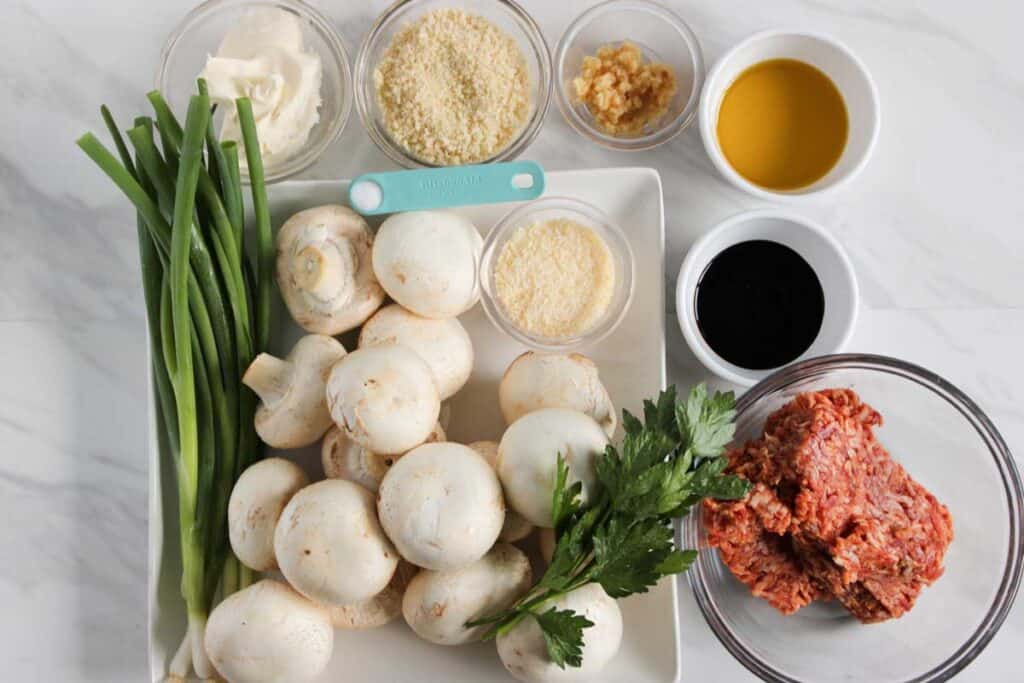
556	274
554	278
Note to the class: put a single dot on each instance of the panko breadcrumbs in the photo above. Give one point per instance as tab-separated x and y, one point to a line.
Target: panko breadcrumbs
555	278
453	88
623	92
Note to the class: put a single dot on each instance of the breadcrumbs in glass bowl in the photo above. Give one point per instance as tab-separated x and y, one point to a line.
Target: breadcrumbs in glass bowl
438	85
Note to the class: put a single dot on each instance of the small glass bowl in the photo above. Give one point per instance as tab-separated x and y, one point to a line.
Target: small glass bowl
946	443
546	209
200	33
506	15
661	36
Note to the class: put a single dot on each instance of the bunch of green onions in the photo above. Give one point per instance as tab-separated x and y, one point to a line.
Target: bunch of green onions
208	307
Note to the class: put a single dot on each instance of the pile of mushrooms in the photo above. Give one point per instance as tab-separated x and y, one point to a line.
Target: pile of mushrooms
405	523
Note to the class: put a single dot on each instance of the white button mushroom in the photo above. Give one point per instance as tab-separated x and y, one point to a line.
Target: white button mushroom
294	411
524	652
427	261
438	604
384	398
268	633
516	528
379	610
443	344
528	458
256	502
537	380
325	269
441	506
330	545
343	458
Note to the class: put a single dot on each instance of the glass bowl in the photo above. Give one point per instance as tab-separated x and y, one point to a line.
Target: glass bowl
199	35
506	15
551	208
948	445
661	36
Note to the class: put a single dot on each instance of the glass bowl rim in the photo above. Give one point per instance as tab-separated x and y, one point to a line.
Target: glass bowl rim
1012	487
664	133
363	74
335	45
514	218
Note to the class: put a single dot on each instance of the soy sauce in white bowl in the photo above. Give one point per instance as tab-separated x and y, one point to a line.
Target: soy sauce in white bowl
792	295
759	304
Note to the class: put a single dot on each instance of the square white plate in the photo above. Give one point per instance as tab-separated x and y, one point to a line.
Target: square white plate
632	366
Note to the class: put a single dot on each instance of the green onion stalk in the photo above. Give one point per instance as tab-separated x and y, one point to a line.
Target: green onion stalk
208	310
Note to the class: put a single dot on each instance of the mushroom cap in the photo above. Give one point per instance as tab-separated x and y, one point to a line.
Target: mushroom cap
437	604
516	527
267	633
343	458
441	505
256	502
330	545
381	609
293	412
384	398
325	269
427	261
524	652
538	380
443	344
528	458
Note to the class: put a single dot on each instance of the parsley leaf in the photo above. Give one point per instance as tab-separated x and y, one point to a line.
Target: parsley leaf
563	635
627	555
565	501
706	423
678	562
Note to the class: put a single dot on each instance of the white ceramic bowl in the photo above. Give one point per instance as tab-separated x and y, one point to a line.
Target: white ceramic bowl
821	251
830	56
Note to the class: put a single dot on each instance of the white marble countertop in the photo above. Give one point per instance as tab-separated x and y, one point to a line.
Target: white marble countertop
934	226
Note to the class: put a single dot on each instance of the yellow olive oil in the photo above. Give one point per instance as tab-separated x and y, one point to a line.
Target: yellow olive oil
782	124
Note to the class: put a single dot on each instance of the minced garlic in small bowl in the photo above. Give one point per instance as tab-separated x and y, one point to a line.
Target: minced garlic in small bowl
556	274
628	74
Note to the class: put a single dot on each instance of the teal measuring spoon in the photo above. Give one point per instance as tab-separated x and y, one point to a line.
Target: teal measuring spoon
437	188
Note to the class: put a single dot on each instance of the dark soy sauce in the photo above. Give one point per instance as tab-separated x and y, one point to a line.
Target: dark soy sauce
759	305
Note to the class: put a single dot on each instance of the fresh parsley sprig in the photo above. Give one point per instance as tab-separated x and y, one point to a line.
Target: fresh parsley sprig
623	537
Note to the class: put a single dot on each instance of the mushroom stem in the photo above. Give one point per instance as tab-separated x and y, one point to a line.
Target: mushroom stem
269	377
326	273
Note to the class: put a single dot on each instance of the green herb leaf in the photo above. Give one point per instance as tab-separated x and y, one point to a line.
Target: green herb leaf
627	556
565	501
571	550
706	424
630	423
660	415
677	562
563	635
